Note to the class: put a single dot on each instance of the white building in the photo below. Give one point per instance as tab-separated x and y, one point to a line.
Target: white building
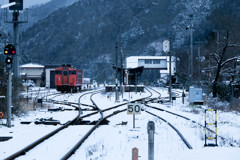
152	63
33	72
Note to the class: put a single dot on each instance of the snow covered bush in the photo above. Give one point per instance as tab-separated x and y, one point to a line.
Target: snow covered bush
216	103
235	104
224	91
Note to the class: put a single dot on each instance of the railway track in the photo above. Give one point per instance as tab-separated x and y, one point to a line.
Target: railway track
47	136
171	125
190	120
72	122
103	116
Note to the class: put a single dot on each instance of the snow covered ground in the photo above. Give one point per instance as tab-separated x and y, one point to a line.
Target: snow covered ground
116	141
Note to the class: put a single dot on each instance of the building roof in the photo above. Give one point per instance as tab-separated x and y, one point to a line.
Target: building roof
147	57
32	65
132	61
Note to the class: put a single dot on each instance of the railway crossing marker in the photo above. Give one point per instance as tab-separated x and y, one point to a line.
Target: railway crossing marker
134	108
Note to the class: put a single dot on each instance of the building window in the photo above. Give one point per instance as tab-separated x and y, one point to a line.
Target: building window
156	61
148	61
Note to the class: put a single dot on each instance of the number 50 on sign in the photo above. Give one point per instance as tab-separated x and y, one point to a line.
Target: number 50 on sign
134	108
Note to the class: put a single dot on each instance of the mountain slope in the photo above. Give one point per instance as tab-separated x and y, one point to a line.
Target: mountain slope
85	33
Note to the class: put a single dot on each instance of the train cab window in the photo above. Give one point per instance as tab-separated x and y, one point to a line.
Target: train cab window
72	72
65	73
58	72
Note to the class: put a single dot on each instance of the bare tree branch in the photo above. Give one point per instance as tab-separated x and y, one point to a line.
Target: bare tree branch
216	57
229	60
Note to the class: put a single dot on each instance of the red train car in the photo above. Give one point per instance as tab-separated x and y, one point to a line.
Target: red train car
68	79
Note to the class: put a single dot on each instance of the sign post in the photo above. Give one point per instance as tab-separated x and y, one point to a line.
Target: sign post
135	153
134	108
166	49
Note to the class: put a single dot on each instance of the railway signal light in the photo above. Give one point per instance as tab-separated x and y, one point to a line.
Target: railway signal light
9	50
8	60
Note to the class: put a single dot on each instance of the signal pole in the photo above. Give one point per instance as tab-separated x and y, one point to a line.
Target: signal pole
9	97
16	43
9	51
116	80
18	6
191	52
122	75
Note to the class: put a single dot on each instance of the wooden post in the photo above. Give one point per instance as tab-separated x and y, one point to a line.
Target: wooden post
135	154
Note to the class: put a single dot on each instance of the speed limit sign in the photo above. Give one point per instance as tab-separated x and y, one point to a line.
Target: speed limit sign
134	108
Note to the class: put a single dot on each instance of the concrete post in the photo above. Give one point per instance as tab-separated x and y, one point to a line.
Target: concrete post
9	97
151	130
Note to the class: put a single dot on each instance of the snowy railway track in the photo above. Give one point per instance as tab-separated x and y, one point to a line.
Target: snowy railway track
234	143
25	151
173	127
79	143
42	139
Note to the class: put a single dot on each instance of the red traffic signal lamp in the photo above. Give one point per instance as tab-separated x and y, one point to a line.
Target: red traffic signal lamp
9	50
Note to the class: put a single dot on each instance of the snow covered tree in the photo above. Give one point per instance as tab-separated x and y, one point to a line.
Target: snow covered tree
221	59
224	44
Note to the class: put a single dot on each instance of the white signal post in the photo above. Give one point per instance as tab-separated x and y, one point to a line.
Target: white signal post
167	50
134	108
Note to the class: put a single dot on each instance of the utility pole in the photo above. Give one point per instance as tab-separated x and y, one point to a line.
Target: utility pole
16	43
116	80
9	51
167	50
121	80
199	62
191	48
199	67
170	75
18	6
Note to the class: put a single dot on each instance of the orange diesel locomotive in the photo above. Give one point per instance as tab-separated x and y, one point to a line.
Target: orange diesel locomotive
68	79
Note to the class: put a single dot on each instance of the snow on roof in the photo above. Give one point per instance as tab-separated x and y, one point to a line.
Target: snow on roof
32	65
147	57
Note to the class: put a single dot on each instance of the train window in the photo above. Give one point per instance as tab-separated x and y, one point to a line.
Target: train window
58	72
65	73
72	72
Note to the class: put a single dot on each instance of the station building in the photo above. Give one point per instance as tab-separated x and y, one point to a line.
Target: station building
157	63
